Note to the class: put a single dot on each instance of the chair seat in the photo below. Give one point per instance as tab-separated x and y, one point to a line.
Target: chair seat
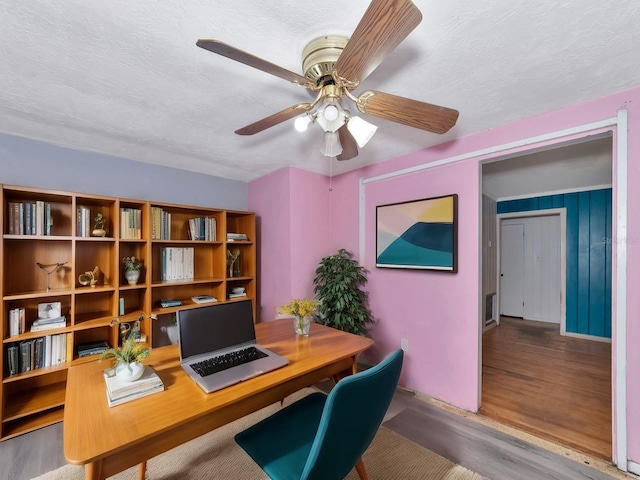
281	443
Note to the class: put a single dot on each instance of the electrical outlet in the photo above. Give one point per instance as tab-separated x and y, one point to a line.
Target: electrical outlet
404	344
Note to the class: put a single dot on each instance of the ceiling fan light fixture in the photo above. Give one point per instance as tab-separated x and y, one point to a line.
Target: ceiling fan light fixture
302	123
331	116
331	146
361	130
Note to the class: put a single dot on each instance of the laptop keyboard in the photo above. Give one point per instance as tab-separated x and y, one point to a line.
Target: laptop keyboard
228	360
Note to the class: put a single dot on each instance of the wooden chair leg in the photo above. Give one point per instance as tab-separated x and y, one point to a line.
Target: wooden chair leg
362	473
142	470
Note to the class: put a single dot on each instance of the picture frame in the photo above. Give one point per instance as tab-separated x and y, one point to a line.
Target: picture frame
418	234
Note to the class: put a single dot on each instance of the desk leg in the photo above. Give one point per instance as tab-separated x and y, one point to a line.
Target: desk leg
93	470
142	470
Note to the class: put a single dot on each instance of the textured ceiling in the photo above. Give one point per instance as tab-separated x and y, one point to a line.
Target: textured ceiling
126	79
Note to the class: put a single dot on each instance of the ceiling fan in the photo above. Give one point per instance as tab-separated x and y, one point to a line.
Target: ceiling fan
333	66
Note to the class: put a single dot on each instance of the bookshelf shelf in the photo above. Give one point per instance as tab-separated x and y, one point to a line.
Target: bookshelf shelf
50	227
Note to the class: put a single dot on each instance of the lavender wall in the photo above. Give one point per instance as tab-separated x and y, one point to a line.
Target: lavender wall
439	313
28	163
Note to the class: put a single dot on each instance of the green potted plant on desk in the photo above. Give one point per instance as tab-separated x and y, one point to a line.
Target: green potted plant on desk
127	359
338	287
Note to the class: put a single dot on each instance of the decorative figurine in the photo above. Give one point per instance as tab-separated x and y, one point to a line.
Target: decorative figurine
98	226
50	268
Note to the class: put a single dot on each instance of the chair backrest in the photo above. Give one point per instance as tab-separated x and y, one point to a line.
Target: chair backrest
352	413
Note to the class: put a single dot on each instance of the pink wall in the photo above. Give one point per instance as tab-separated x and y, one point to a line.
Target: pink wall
437	312
292	207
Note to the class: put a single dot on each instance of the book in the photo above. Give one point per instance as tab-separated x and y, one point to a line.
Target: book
119	391
13	363
92	348
237	295
236	236
204	299
61	322
170	302
112	402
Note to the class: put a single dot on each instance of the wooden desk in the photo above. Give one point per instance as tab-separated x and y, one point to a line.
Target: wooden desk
109	440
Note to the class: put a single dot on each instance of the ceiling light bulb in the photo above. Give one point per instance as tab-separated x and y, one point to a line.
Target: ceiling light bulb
302	123
331	146
361	130
330	112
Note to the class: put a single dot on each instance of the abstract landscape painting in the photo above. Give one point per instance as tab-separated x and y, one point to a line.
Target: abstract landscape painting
420	234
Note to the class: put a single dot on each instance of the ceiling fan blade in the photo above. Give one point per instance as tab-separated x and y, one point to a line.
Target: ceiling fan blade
349	145
275	119
413	113
384	25
243	57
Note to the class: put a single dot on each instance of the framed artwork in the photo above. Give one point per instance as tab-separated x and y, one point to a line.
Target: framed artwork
420	234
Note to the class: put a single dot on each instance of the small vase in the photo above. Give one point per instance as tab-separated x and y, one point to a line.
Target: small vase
302	325
132	276
129	372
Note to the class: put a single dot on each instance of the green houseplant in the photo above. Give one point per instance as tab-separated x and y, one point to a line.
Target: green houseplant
126	359
338	283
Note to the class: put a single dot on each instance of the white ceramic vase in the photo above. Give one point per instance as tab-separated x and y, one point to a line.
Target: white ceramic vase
129	372
132	276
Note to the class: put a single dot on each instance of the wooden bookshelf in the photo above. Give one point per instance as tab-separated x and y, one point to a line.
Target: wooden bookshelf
34	399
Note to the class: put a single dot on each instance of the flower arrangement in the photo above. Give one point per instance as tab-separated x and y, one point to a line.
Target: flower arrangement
131	263
299	307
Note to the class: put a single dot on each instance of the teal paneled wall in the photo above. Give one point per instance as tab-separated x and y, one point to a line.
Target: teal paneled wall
589	243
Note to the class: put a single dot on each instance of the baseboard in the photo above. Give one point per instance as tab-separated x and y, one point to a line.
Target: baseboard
633	467
588	337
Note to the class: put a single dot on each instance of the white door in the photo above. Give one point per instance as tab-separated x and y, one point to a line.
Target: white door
512	270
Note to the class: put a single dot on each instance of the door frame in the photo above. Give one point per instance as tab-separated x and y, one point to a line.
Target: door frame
562	213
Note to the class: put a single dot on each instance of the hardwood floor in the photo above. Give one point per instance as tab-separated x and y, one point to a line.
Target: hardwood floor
552	386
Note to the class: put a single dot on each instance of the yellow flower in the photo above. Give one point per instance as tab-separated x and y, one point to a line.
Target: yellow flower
299	307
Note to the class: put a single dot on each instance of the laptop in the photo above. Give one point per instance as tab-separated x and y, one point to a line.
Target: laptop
210	338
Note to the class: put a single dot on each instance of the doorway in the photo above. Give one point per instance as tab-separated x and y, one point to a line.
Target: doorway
512	297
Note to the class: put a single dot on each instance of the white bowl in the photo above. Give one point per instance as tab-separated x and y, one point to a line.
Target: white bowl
237	290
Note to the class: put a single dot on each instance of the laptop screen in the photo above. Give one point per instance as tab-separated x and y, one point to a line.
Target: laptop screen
214	327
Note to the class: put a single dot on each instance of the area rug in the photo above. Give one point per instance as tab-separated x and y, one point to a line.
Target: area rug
216	456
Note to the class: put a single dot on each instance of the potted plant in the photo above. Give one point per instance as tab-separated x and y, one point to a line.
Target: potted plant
132	267
126	359
302	309
338	287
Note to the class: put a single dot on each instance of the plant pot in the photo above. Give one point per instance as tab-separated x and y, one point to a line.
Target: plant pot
129	372
132	276
302	325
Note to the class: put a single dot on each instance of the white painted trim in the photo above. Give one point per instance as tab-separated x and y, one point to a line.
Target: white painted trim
497	149
619	313
361	213
562	212
588	337
633	467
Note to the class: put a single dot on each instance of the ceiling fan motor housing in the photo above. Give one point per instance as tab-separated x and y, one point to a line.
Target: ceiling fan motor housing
320	56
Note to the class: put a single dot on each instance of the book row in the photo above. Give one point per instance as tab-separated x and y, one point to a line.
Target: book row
131	223
177	263
36	353
202	228
30	218
160	224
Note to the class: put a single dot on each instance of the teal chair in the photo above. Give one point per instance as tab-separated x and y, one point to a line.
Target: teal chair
322	437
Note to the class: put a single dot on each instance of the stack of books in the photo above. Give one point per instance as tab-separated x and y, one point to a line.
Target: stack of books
236	237
49	317
119	392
